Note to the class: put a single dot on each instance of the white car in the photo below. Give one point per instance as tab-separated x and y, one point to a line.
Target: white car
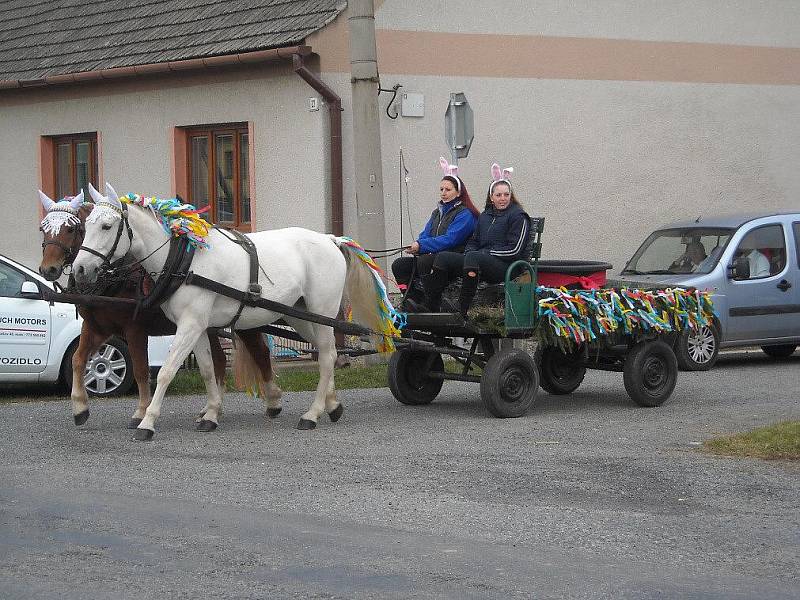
38	338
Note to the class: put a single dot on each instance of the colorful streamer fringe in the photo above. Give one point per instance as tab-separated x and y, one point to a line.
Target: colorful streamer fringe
392	320
583	315
176	217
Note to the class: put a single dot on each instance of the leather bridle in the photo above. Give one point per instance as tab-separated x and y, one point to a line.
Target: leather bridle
123	225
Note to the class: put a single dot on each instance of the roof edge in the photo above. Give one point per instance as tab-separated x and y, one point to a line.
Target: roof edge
245	58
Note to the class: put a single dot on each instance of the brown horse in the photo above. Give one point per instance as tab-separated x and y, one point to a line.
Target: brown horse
63	230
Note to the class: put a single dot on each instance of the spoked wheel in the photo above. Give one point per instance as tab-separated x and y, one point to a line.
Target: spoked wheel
409	376
561	373
650	373
109	372
697	349
509	383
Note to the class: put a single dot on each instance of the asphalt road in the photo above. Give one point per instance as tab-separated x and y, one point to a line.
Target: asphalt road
587	496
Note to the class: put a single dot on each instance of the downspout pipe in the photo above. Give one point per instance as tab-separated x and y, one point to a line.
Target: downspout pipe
335	110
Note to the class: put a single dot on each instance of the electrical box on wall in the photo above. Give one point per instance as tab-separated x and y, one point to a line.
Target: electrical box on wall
313	103
412	105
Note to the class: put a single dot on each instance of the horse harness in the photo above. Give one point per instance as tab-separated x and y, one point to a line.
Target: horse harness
123	224
69	252
176	267
254	288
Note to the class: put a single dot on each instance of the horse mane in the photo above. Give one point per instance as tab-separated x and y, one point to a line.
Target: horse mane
176	217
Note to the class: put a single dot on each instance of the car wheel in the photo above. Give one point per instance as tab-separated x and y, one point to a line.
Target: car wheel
697	349
108	373
782	351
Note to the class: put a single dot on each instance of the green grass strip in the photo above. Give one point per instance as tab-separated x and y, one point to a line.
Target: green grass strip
779	441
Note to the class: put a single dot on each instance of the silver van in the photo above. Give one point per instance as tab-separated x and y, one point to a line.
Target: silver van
751	263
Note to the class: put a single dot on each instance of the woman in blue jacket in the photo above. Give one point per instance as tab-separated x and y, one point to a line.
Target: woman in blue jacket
450	226
500	238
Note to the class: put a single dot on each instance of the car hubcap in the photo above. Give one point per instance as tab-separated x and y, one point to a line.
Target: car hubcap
105	371
701	345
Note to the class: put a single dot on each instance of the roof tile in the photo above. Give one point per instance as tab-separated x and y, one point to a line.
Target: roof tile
44	38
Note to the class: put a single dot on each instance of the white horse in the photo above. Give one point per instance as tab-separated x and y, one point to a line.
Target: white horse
298	267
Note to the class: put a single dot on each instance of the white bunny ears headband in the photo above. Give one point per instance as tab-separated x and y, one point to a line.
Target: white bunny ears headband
500	176
449	170
63	212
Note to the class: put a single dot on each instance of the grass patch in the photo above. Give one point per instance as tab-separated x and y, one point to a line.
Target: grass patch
779	441
374	376
304	380
290	380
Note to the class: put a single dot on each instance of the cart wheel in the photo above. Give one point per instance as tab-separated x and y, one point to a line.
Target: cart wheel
650	374
560	372
408	376
509	383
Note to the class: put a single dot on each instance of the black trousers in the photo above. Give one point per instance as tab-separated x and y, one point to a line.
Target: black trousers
403	266
489	268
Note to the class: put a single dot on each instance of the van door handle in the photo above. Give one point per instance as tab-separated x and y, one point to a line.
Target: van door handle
784	285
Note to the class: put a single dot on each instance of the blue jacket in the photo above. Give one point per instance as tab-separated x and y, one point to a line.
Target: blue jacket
455	235
501	233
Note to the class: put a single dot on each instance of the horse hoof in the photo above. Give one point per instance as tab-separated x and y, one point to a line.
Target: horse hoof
336	413
134	423
143	435
306	424
206	425
81	417
273	412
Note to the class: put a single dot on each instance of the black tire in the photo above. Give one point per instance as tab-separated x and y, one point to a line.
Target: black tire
560	372
509	383
108	373
697	349
782	351
650	373
408	376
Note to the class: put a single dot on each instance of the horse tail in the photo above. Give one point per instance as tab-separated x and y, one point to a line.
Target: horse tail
366	293
247	375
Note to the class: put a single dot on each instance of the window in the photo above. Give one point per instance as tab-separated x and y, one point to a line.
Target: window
796	228
10	282
75	163
765	251
219	174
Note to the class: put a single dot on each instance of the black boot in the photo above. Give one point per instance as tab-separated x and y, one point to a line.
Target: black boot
467	295
434	287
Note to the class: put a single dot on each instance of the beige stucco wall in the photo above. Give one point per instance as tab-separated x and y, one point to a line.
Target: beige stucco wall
758	23
603	156
134	120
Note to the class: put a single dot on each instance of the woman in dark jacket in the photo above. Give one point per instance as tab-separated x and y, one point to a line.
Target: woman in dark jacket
500	238
450	226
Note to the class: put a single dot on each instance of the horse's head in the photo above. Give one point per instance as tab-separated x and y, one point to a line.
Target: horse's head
62	228
105	227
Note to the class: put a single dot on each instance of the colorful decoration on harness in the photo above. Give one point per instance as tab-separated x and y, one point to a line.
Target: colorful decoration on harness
175	217
582	315
392	320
